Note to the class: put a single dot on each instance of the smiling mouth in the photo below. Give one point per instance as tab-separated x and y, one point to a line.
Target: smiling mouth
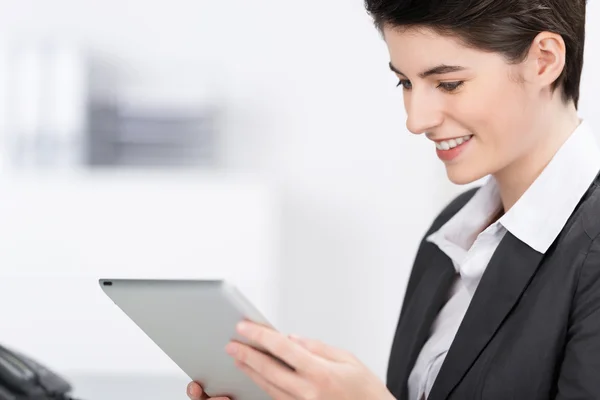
452	143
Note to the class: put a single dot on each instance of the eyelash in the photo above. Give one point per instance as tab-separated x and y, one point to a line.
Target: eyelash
445	86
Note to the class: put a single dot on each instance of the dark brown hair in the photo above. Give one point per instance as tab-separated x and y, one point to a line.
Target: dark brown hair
507	27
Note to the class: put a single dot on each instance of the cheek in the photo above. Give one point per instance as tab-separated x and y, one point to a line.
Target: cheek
496	113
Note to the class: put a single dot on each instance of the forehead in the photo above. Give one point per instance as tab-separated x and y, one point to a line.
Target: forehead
415	37
418	48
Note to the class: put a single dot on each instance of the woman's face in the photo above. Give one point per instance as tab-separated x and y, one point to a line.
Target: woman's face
472	104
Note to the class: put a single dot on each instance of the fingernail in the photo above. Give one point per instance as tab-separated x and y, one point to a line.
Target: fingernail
190	390
296	338
243	327
231	349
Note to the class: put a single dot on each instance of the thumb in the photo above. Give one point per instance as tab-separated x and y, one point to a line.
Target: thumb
321	349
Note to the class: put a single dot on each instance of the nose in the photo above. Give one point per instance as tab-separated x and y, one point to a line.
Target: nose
423	113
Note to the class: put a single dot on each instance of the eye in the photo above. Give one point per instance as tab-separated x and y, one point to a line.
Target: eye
450	86
405	84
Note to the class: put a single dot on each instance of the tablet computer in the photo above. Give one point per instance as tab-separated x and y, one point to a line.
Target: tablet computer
192	321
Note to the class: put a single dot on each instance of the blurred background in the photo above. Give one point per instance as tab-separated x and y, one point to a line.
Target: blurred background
261	142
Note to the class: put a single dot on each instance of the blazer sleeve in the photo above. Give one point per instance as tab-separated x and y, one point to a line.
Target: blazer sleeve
579	375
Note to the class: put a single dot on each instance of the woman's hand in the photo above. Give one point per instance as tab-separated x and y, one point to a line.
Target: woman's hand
320	372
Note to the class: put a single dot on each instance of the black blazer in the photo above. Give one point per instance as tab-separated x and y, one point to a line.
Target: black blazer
532	330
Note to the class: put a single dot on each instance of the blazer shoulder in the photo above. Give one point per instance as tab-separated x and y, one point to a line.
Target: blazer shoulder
425	249
452	208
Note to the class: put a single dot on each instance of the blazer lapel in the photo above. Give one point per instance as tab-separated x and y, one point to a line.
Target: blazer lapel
508	273
428	298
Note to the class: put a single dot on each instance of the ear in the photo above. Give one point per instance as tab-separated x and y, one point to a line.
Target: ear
546	59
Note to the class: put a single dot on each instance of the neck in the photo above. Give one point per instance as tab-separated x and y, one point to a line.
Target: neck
554	128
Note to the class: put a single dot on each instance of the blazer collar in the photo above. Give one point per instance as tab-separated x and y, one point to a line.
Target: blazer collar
429	296
511	268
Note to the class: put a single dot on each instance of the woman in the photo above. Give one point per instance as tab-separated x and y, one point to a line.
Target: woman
503	301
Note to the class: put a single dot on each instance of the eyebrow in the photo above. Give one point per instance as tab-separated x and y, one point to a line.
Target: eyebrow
438	70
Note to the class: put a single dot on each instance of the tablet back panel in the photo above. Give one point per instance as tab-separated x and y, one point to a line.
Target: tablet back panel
191	321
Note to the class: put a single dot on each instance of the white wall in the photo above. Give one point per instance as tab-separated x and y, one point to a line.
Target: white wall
61	234
312	105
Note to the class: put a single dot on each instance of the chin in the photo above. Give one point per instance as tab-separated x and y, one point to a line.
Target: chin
463	176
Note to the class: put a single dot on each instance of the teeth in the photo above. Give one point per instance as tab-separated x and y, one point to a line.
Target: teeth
452	143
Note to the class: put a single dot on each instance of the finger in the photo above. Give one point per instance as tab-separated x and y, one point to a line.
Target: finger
195	392
321	349
273	391
277	344
267	368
